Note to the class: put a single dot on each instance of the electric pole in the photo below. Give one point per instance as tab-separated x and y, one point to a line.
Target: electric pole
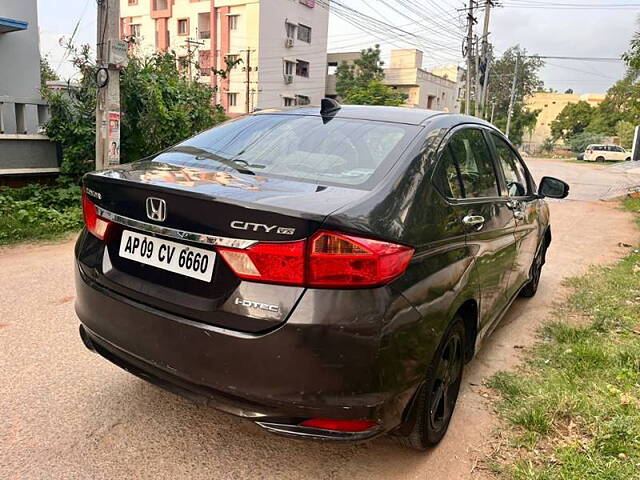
248	80
476	88
111	56
190	52
513	94
485	53
469	52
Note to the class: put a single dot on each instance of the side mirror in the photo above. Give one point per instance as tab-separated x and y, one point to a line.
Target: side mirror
553	188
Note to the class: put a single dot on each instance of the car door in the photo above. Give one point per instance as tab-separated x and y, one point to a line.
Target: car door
617	153
489	222
519	188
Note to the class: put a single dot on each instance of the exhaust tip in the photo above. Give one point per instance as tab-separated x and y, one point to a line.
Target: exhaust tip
85	339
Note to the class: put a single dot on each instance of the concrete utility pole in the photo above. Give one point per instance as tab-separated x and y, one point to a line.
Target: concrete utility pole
476	88
485	87
485	53
470	21
109	57
191	52
248	80
513	94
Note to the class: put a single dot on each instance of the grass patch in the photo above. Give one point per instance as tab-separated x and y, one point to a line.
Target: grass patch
38	212
574	406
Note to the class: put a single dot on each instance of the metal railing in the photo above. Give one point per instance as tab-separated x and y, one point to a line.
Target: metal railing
204	34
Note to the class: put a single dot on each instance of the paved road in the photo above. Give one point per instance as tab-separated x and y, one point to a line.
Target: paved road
66	413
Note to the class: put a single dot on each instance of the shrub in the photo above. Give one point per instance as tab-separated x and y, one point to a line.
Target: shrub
39	212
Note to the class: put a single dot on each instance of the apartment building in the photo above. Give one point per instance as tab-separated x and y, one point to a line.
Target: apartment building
405	73
280	46
550	105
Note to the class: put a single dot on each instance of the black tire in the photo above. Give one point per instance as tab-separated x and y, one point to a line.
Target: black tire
628	159
436	399
530	289
600	159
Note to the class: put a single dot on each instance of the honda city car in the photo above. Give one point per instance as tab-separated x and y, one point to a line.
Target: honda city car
324	272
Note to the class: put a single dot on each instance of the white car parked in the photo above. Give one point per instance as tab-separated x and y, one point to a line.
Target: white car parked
600	153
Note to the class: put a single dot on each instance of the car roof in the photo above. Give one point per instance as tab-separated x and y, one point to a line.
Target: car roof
406	115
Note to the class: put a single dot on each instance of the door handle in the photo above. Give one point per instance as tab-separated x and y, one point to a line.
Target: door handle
476	221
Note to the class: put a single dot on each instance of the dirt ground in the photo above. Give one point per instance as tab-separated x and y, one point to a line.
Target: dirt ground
67	413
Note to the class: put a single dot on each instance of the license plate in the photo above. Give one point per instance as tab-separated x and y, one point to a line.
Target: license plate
171	256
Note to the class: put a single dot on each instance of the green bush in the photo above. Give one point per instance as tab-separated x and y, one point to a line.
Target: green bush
579	142
39	212
160	106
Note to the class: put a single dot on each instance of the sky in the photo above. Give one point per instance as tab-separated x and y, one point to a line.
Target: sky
543	27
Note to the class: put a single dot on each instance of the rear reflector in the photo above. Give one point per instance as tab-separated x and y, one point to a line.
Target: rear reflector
95	225
339	425
328	259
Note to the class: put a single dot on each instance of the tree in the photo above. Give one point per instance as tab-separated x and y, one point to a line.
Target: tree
625	130
569	91
374	93
548	145
361	73
47	74
527	83
573	119
160	106
578	143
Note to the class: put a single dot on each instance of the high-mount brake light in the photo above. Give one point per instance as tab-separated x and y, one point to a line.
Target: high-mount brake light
326	260
95	224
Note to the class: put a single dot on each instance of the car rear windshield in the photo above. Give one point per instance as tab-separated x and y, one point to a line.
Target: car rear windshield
340	151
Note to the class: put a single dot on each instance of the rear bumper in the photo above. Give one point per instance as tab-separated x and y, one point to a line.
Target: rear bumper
301	370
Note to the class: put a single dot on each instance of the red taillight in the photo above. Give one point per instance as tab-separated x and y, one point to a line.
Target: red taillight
328	259
268	262
339	425
338	260
96	225
589	151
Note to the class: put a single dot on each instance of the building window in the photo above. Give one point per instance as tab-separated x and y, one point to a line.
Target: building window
135	30
289	67
302	100
233	22
304	33
132	2
289	102
290	29
160	4
232	99
183	26
302	68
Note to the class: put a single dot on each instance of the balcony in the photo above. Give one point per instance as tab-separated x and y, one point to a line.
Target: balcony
24	150
161	9
204	34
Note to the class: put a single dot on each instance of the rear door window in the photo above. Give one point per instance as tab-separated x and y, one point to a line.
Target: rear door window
447	176
515	174
473	157
340	151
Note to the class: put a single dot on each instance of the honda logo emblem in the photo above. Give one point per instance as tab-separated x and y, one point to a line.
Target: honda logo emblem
156	209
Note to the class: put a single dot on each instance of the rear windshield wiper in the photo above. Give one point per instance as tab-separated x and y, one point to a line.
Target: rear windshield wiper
200	154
